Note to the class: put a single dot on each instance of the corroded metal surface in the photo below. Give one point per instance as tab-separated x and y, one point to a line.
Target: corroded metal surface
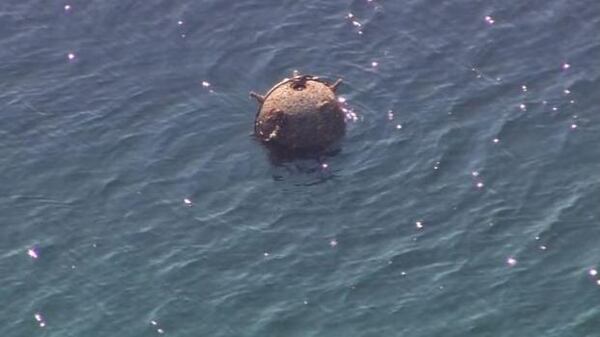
300	113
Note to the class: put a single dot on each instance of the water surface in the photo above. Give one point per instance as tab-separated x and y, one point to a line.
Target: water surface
464	200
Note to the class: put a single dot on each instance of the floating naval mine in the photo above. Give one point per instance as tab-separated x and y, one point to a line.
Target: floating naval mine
300	114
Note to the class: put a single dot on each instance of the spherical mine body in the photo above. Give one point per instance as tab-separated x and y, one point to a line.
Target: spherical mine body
301	113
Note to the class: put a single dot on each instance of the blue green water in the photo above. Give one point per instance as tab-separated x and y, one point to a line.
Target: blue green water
135	202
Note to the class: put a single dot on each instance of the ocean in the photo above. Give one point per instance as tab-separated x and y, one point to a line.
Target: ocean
463	201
